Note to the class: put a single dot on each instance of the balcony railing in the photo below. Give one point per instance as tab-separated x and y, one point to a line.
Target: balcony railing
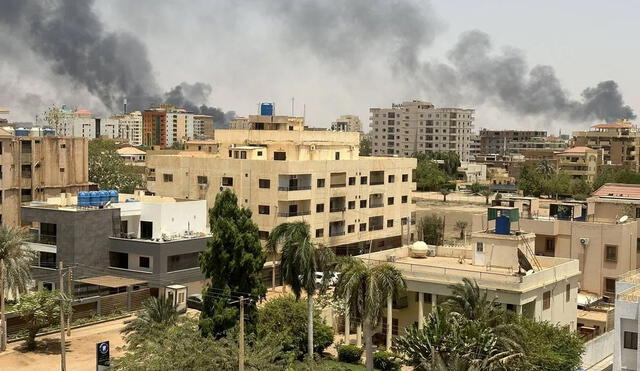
337	209
375	228
374	205
296	213
339	185
376	182
294	188
336	233
47	239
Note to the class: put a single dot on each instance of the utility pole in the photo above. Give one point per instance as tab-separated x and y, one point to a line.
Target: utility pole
63	361
3	327
69	288
241	336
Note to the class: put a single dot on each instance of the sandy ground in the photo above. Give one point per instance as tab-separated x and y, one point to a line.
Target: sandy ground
81	349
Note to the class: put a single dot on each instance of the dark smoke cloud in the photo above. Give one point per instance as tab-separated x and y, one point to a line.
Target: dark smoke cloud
110	65
192	97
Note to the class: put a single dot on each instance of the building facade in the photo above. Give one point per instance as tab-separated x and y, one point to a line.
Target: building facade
627	322
347	123
503	142
619	142
203	126
418	126
130	127
34	168
352	203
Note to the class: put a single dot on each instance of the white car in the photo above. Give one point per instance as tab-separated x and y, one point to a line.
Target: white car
332	281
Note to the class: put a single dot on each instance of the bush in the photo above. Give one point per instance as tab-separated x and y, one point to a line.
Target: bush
349	354
386	361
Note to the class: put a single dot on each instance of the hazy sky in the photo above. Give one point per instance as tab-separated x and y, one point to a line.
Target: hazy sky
335	58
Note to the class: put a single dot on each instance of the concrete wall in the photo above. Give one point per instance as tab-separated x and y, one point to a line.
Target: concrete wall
597	349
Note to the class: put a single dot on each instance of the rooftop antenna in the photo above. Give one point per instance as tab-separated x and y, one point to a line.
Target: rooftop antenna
125	105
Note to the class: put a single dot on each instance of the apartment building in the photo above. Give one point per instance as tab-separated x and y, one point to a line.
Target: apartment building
627	322
130	127
203	126
592	231
500	141
81	123
263	122
154	127
620	143
474	146
537	144
153	239
34	168
352	203
577	162
419	126
167	125
499	259
347	123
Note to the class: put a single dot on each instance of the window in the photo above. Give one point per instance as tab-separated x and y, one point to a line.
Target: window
389	223
351	228
630	340
118	260
637	212
363	180
263	209
62	170
405	199
550	245
227	181
610	285
280	156
202	179
337	155
391	178
637	242
352	205
567	292
363	204
320	183
319	232
167	177
390	201
611	253
546	300
363	227
263	235
182	261
143	262
264	183
479	247
352	180
319	208
405	177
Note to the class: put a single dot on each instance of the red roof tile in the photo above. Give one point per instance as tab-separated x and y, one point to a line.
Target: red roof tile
618	190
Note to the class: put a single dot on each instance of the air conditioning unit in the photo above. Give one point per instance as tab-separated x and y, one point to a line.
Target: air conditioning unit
312	147
584	240
431	251
391	258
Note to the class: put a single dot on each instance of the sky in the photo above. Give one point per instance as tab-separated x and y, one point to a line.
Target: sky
521	64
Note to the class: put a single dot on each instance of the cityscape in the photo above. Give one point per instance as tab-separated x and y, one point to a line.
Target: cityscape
347	210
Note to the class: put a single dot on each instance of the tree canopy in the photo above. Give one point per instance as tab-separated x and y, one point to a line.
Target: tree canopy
108	169
539	180
233	261
39	309
365	147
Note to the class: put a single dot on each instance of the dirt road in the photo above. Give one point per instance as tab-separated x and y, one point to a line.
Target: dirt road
81	349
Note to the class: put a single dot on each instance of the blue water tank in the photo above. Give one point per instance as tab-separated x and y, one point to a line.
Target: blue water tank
48	131
104	197
94	197
266	109
131	200
22	132
503	225
84	199
113	195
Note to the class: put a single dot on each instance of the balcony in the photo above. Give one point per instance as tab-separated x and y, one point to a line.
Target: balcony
338	180
376	223
337	204
376	200
293	188
293	213
294	182
336	229
376	177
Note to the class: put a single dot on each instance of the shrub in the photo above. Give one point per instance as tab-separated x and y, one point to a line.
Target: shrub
349	354
386	361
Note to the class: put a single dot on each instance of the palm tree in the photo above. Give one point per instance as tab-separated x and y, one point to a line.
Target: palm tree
461	225
486	193
156	313
15	268
470	301
301	258
365	289
272	247
444	192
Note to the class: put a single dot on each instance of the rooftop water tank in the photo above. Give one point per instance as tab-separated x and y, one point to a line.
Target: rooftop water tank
503	225
104	197
113	195
22	132
84	199
419	249
48	131
94	198
266	109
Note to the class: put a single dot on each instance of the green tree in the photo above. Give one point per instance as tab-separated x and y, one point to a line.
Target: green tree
486	193
476	188
530	182
16	259
444	192
365	146
545	168
557	184
283	320
461	226
300	260
579	188
156	312
431	229
39	309
366	290
427	175
108	169
233	261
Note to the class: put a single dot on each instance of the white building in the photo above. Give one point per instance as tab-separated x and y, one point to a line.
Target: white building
473	172
180	126
627	313
347	123
130	127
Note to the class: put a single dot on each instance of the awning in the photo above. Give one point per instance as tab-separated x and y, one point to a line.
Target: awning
111	281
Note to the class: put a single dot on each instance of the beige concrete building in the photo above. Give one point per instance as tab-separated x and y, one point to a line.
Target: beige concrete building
130	127
620	143
268	122
34	168
543	288
549	143
418	126
347	123
203	126
352	203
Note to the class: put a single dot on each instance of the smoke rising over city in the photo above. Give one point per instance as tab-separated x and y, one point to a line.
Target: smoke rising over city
347	55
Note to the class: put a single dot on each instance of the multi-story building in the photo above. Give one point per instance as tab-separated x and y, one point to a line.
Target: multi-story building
149	238
417	126
537	144
180	126
592	231
620	143
34	168
627	322
577	162
263	122
347	123
352	203
203	126
154	126
81	123
502	141
474	146
501	261
130	127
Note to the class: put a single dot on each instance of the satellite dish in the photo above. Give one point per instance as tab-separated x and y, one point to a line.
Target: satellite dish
623	219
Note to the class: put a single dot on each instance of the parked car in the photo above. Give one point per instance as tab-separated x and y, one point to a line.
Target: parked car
194	301
333	280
